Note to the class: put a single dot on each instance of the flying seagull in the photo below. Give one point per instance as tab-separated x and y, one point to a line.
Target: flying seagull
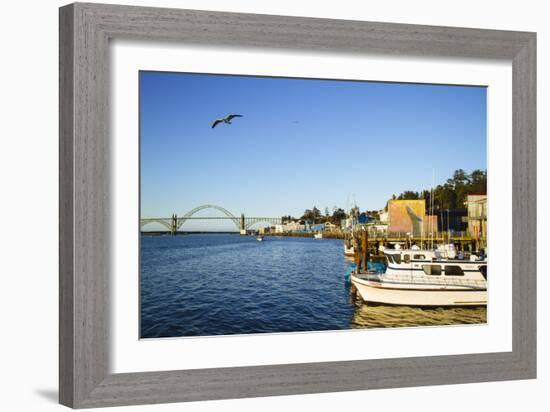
225	119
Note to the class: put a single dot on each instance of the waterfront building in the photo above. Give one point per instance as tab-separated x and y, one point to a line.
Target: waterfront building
477	217
409	216
293	227
363	218
378	229
347	223
330	227
452	220
319	227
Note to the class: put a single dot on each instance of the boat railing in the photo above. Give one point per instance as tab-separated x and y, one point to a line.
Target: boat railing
417	280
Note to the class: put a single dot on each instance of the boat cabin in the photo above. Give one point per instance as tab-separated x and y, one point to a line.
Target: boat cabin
432	263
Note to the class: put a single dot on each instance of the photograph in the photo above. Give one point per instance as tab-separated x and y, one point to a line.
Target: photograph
271	205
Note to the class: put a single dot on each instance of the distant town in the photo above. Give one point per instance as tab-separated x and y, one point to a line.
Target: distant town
455	209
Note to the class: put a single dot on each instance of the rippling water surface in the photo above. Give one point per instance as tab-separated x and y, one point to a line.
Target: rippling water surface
198	285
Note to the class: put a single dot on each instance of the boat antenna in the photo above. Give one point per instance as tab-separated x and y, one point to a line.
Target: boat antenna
432	204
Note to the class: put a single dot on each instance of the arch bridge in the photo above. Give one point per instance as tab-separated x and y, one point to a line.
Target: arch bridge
175	222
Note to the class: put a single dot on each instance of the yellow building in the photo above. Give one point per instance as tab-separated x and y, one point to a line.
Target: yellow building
409	216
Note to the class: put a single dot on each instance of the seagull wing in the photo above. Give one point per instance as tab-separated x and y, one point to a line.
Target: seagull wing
216	122
231	116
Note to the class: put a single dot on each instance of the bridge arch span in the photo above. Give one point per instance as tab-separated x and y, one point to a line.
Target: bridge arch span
164	222
183	219
267	220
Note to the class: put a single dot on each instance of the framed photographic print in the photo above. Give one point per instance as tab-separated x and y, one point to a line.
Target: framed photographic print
257	205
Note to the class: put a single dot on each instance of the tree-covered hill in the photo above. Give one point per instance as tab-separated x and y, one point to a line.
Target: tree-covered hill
452	194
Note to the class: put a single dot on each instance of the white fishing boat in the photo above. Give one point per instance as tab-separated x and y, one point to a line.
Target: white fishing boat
349	251
318	235
425	278
260	238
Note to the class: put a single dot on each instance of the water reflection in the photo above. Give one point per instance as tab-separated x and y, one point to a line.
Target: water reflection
381	316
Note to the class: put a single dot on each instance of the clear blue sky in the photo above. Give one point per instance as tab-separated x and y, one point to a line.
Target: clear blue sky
300	143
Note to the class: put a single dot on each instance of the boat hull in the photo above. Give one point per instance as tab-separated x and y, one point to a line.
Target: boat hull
376	292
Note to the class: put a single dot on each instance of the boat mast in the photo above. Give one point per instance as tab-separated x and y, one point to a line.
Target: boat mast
432	209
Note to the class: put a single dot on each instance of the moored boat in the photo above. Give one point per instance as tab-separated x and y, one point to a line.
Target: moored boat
349	251
259	238
425	278
318	235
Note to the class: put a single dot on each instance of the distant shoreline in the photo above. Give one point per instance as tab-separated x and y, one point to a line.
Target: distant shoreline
326	235
162	233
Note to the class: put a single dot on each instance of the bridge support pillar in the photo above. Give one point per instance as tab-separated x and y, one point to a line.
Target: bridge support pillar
243	226
174	224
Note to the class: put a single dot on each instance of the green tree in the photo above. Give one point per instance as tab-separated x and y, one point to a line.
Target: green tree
316	215
338	215
308	215
409	195
452	194
478	182
313	215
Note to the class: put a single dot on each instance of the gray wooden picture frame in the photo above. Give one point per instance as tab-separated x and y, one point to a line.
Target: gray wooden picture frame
85	31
